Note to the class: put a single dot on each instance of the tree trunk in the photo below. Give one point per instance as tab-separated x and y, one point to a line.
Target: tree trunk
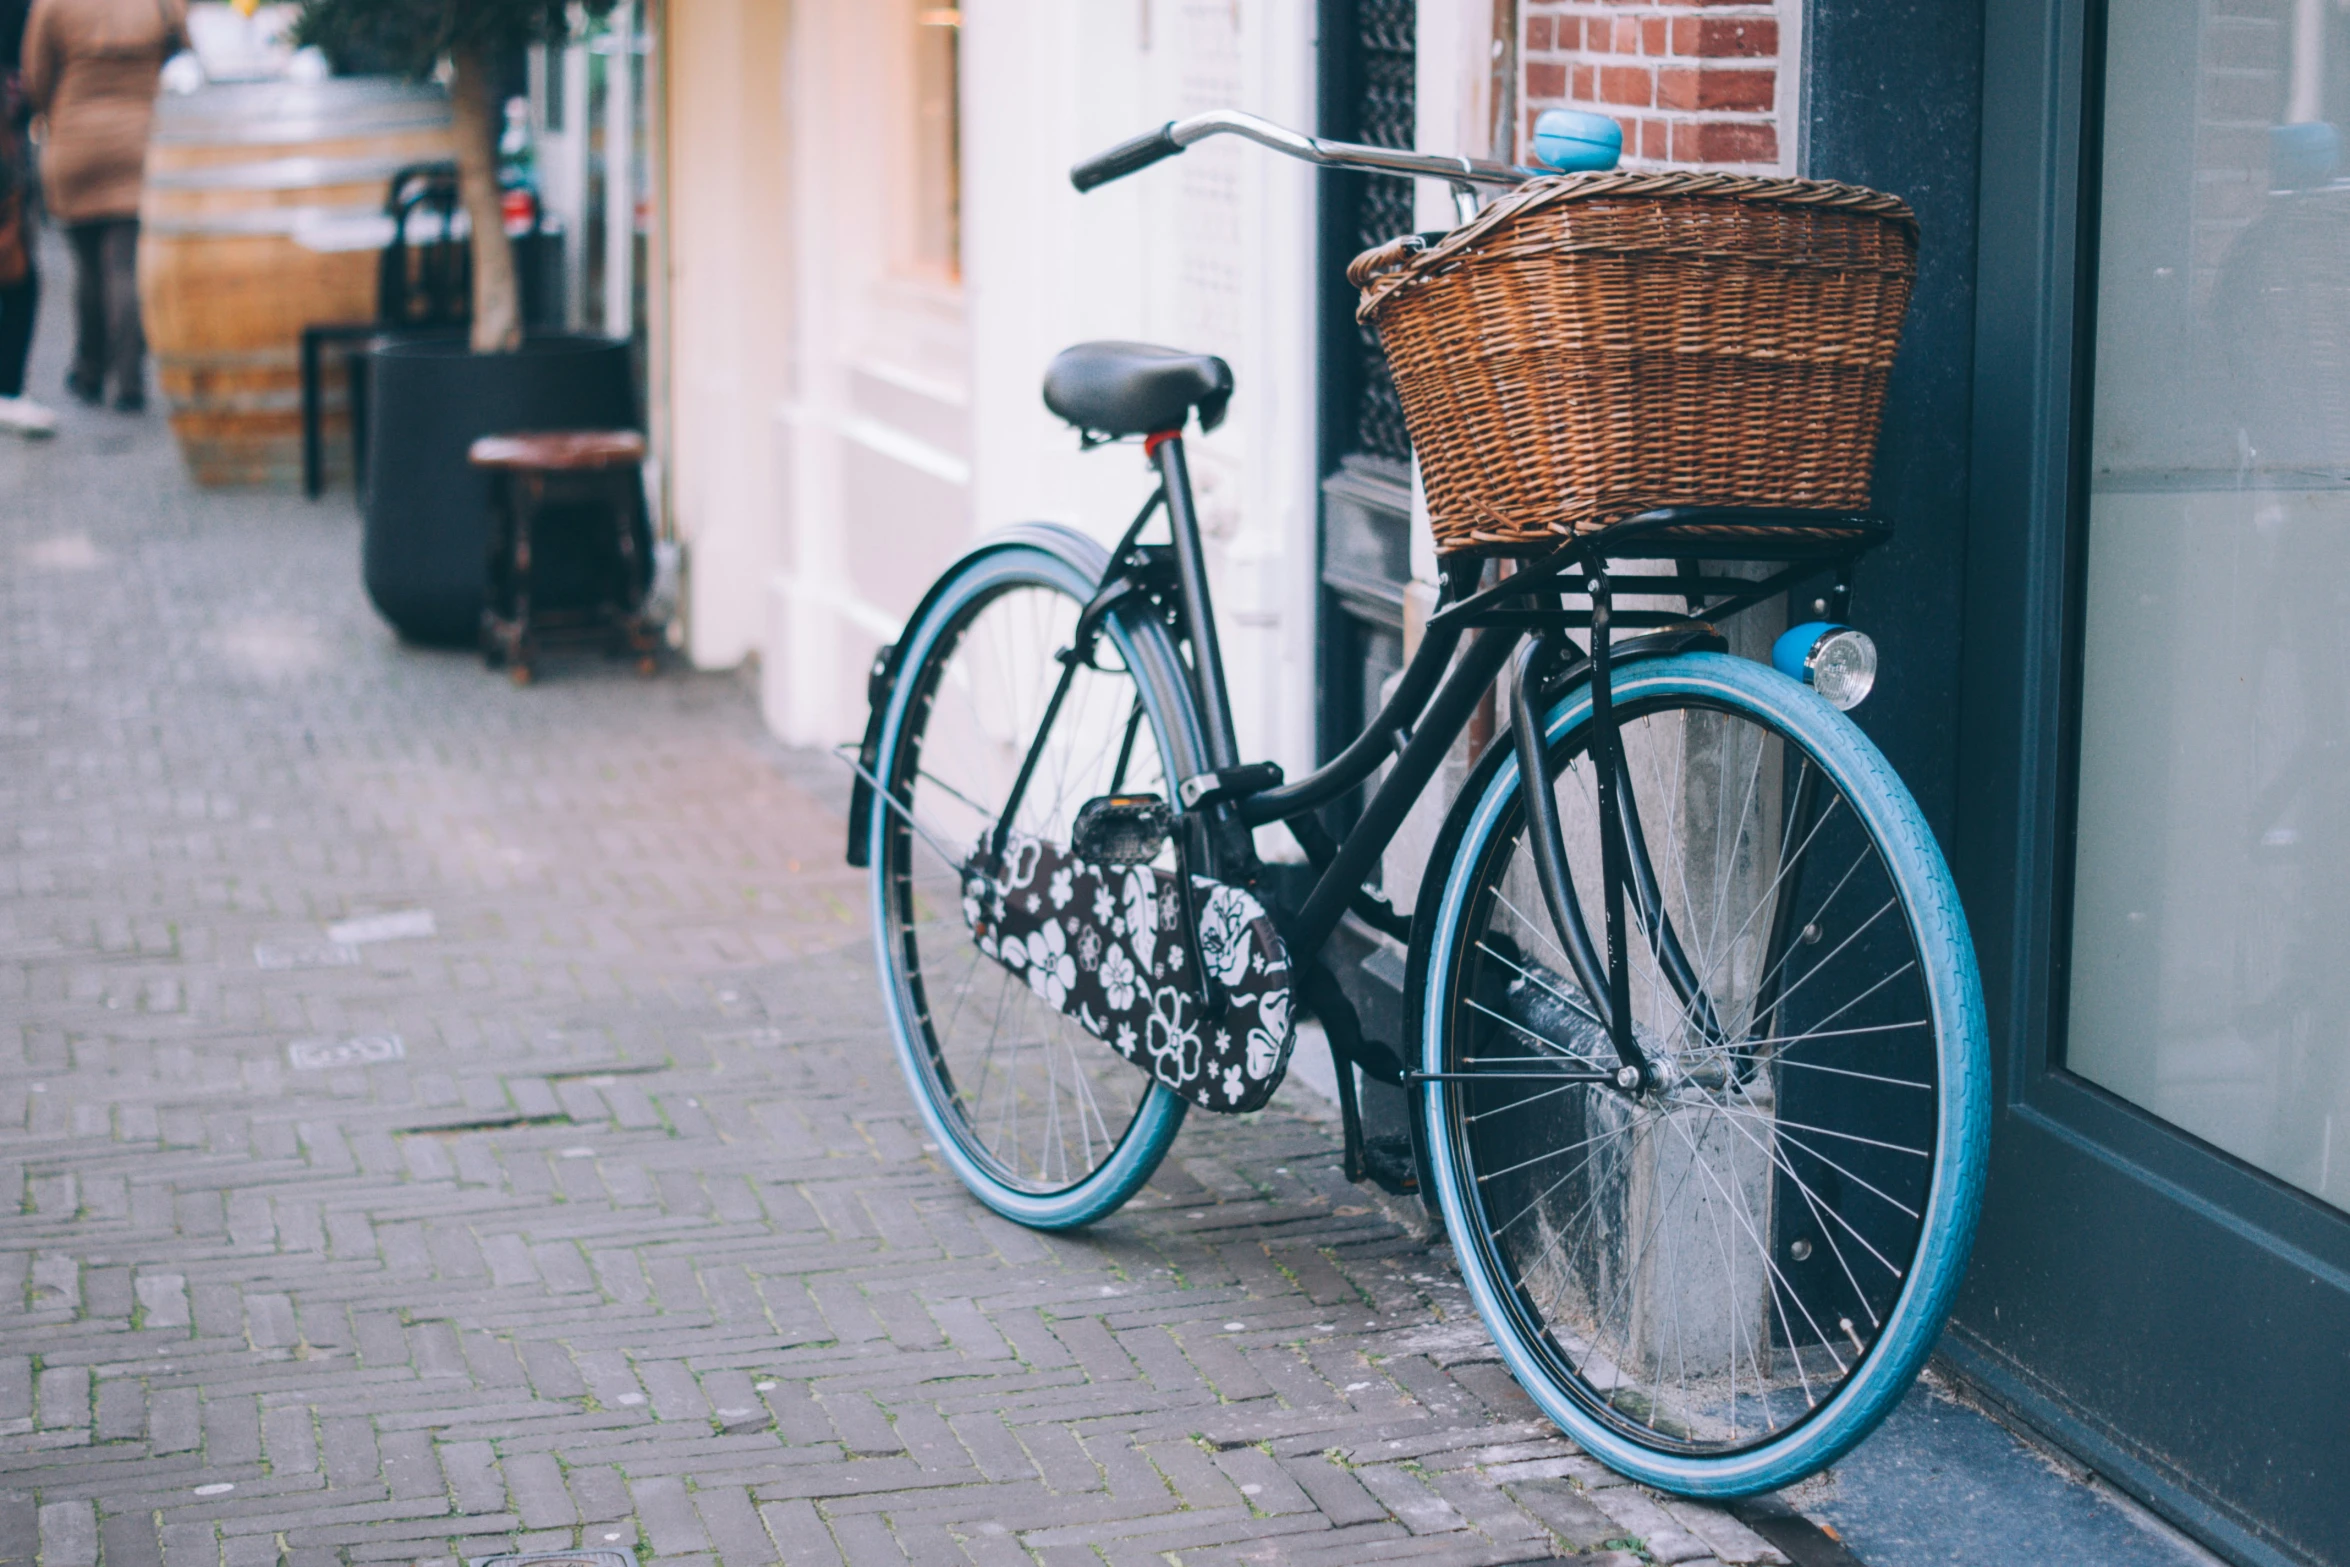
479	117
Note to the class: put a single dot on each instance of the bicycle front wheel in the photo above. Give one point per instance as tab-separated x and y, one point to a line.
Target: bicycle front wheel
1042	1121
1717	1283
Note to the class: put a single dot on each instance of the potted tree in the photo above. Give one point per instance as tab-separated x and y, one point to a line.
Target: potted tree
427	512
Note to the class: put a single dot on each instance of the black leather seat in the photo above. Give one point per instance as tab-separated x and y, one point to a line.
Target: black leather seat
1119	389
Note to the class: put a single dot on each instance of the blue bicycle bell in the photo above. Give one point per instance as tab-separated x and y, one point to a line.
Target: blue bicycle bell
1836	661
1574	141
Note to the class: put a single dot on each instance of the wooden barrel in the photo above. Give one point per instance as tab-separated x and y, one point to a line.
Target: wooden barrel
263	215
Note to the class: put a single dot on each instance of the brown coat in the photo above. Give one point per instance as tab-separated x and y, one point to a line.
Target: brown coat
90	68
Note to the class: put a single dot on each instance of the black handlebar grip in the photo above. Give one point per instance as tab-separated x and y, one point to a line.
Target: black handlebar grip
1138	153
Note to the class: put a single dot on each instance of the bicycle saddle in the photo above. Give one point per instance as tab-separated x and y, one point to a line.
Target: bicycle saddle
1117	389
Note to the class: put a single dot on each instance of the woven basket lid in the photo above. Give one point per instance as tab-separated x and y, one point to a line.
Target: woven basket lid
1385	271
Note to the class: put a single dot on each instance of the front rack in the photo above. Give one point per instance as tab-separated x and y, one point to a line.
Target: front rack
1806	542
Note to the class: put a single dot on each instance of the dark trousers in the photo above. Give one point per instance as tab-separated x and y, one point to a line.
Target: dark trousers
108	340
18	303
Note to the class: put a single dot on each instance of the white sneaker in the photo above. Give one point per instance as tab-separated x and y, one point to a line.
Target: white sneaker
26	417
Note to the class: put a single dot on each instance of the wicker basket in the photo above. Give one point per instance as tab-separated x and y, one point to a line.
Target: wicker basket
1596	345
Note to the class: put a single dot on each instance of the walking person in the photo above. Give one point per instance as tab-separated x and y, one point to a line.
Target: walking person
20	278
90	69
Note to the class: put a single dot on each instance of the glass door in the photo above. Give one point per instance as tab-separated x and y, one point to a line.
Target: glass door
2155	757
2210	976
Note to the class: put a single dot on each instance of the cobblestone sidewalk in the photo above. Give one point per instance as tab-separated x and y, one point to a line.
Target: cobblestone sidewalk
439	1119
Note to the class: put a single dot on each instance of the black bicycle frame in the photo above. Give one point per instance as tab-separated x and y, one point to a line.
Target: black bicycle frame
1478	625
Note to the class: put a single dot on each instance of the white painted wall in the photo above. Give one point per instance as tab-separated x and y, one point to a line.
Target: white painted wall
871	435
727	301
798	670
826	396
1212	252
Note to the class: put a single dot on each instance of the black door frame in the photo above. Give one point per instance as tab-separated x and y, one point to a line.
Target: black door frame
2175	1317
1363	552
1364	555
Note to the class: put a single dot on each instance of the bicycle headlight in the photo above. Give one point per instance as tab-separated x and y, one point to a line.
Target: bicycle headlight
1836	661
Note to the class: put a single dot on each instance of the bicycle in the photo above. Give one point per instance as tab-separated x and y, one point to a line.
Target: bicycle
1700	1078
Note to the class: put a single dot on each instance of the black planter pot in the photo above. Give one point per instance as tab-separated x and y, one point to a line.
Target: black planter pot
428	516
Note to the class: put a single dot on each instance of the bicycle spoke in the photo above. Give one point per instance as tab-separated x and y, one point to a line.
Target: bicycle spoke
1763	1250
1812	1200
1810	1035
1575	1001
1838	1071
1526	1100
1563	1053
1540	1158
1841	1170
1829	1131
1833	1033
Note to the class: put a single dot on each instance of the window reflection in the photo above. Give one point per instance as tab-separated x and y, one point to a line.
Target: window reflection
2211	923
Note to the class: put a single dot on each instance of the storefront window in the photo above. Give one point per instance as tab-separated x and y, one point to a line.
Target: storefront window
2210	966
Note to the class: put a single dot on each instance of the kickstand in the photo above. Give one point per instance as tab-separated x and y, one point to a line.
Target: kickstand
1350	1111
1349	1050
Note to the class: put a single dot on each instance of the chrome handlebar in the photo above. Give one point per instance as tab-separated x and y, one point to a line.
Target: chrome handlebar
1346	154
1463	174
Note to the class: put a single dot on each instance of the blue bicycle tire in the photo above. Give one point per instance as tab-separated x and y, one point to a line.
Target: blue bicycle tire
1603	1409
1068	565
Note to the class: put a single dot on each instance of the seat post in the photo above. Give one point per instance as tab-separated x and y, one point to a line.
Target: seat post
1191	571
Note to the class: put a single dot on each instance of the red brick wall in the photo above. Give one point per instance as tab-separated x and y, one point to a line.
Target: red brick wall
1693	82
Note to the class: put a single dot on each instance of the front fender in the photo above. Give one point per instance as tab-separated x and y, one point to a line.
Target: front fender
1696	636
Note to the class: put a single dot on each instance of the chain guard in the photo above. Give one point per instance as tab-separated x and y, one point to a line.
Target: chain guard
1104	944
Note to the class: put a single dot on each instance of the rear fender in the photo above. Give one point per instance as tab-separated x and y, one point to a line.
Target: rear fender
881	681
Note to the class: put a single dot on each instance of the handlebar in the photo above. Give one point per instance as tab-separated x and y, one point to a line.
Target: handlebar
1171	138
1138	152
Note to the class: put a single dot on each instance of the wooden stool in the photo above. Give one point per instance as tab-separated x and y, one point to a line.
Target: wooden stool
587	468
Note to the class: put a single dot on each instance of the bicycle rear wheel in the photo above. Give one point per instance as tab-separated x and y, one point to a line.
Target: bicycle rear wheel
1719	1283
1042	1121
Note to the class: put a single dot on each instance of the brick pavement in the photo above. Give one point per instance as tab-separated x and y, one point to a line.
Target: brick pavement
592	1211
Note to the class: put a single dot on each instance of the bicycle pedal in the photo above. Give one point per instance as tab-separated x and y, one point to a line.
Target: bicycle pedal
1122	829
1391	1165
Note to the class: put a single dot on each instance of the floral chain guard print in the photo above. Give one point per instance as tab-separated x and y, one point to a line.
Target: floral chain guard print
1104	944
